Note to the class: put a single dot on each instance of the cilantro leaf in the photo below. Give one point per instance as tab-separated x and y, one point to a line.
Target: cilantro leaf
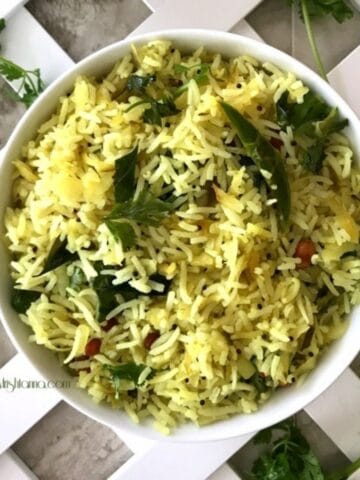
124	179
201	75
259	382
22	299
138	83
330	124
128	371
312	158
269	468
10	70
31	84
77	279
264	436
58	255
301	115
338	9
288	458
158	110
146	209
309	9
313	118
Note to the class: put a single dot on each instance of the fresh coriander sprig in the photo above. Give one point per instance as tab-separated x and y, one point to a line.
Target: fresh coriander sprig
31	84
289	457
309	9
311	38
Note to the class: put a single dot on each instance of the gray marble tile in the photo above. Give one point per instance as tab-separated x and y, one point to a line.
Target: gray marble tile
10	113
6	348
84	26
272	20
66	444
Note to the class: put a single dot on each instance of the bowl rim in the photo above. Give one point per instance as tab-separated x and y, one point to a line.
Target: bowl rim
296	402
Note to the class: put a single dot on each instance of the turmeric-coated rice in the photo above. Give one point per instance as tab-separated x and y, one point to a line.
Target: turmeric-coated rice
202	304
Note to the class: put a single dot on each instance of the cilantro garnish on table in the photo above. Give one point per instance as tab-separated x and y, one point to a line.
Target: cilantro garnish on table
30	82
289	457
311	9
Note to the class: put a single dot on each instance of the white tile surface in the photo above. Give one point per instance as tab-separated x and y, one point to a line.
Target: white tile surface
13	468
219	15
21	408
345	77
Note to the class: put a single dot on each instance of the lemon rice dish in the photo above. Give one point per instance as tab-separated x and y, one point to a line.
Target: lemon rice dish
184	234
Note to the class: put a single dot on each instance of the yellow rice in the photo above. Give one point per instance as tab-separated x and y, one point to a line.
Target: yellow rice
237	303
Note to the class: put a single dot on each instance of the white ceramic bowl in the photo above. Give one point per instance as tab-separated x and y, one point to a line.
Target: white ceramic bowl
283	403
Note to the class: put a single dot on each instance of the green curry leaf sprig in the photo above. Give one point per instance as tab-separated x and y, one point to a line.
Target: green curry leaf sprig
266	158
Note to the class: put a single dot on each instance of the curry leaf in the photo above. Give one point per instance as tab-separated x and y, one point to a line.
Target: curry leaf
22	299
124	179
106	294
107	291
265	156
58	255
